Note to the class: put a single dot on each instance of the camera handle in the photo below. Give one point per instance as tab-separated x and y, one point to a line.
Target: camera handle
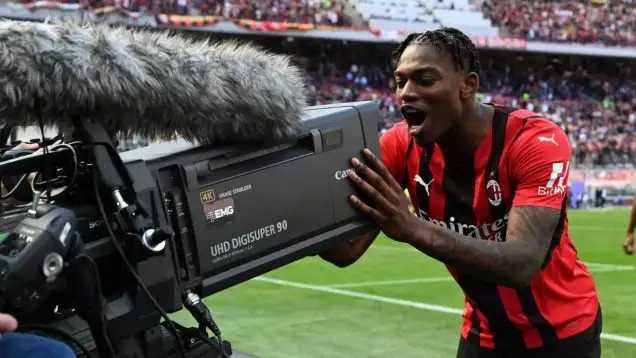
33	256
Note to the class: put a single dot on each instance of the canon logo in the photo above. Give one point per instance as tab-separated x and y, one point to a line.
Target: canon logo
342	174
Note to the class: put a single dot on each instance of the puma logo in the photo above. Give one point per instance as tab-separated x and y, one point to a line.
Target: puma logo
420	181
548	139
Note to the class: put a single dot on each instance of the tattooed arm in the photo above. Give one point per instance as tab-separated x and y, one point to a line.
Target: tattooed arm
539	171
513	263
347	252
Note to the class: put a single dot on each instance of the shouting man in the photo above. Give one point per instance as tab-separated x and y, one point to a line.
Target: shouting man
490	186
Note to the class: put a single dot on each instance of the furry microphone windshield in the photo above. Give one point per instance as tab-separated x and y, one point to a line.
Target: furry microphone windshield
154	85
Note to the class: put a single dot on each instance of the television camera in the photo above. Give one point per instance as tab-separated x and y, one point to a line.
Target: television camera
109	243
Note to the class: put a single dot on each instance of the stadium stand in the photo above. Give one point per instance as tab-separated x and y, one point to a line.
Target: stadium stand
593	99
406	15
460	14
609	22
305	11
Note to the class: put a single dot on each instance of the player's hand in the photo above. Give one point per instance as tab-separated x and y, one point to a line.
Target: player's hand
7	323
628	244
26	146
387	203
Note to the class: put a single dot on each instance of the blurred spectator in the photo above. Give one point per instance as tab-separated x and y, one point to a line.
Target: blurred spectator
609	22
322	12
299	11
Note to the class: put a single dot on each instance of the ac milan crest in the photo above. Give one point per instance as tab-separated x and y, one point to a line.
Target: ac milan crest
494	193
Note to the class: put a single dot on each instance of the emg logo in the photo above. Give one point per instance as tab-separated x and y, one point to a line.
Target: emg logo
227	211
342	174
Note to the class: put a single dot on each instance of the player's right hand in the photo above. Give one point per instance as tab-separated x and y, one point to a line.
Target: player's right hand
7	323
628	244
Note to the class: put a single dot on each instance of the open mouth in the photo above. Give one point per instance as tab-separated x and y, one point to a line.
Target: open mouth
414	117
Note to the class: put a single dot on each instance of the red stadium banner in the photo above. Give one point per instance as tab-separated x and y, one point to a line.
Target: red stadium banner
187	21
500	42
262	26
114	9
252	25
273	26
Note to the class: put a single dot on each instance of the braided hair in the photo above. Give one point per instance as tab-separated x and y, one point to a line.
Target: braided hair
448	40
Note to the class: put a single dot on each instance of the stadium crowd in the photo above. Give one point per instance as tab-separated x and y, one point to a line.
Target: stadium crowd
593	101
304	11
610	22
323	12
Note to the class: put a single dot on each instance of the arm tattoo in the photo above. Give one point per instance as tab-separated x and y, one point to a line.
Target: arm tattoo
512	263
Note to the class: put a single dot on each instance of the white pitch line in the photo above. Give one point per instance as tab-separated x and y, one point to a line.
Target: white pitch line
400	302
596	269
593	269
609	266
364	296
609	208
391	282
596	228
596	264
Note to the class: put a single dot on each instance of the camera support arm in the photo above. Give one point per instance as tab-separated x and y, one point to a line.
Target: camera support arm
112	175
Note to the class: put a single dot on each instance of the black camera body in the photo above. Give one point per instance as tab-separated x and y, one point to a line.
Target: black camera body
195	220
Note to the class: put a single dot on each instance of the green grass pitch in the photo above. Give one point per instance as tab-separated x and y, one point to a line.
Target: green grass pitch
396	302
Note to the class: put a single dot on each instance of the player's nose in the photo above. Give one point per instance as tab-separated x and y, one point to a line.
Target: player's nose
408	94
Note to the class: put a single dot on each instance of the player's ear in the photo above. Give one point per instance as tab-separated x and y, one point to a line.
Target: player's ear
470	85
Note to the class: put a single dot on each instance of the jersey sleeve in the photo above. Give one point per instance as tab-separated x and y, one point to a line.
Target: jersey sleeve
393	152
540	165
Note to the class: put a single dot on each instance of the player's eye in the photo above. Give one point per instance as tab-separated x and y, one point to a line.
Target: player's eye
427	81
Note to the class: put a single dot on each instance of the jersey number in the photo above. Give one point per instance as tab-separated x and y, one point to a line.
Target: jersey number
558	175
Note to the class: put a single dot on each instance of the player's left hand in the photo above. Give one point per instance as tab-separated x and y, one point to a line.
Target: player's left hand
628	244
390	206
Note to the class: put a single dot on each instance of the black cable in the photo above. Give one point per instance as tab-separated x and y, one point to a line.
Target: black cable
97	295
47	168
202	314
55	332
171	327
170	324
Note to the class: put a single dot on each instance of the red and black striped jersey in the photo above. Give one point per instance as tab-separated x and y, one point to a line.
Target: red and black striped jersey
524	160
